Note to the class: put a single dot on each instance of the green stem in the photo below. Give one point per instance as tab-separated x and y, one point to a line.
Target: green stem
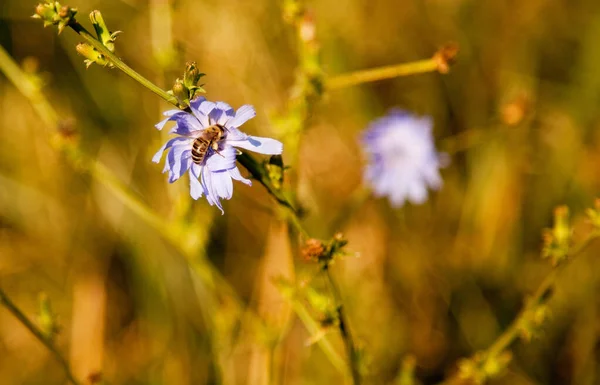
89	38
540	297
380	73
258	172
18	314
314	328
28	88
345	329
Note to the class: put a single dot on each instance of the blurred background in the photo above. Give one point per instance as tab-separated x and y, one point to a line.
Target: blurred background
187	296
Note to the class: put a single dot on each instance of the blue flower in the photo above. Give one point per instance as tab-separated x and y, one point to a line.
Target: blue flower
402	159
212	177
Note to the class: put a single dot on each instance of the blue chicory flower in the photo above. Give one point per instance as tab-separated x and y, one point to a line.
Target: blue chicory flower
213	177
402	159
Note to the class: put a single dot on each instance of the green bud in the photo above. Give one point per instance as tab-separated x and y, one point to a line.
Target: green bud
558	239
107	38
45	12
532	321
92	55
594	214
188	88
495	366
181	92
292	9
275	170
52	13
47	318
191	75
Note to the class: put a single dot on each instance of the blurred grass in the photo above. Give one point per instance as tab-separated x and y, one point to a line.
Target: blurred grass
437	281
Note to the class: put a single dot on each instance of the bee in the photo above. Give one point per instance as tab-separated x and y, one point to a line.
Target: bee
208	139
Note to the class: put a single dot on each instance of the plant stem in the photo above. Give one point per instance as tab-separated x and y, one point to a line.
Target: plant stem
380	73
540	297
89	38
344	329
313	328
19	315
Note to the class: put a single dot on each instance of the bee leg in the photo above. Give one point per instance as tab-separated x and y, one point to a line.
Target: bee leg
217	152
216	149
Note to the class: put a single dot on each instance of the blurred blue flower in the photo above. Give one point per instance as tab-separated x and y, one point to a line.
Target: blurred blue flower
212	177
402	159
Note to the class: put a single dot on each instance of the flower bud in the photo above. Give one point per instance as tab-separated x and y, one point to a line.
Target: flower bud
91	55
445	57
594	215
558	239
181	92
313	250
107	38
191	75
47	319
45	12
52	13
66	15
275	171
307	30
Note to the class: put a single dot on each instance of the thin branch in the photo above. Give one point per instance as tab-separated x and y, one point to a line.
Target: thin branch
37	333
540	297
345	331
81	31
381	73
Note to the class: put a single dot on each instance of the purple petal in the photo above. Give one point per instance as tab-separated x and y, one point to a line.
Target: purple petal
417	193
235	174
224	107
258	144
185	124
235	134
196	188
242	115
222	113
169	144
172	114
201	108
182	161
222	184
211	194
224	160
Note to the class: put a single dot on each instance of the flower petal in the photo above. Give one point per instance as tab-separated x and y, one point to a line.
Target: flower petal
224	160
185	124
223	185
235	174
172	114
209	189
196	188
242	115
182	160
168	144
258	144
201	108
222	113
417	193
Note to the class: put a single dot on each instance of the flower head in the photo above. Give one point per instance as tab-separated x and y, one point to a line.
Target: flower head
403	160
211	173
